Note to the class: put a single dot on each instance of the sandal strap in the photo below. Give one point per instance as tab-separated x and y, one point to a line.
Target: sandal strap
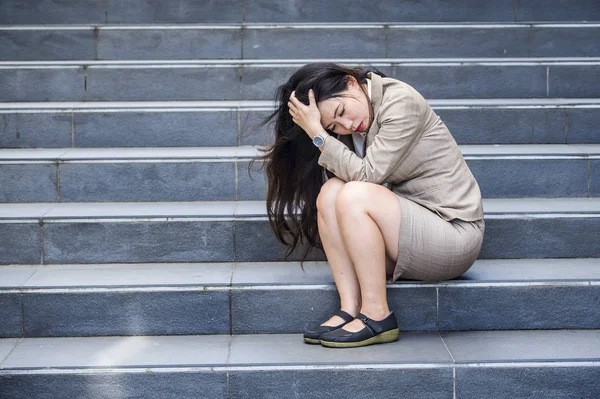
346	316
372	325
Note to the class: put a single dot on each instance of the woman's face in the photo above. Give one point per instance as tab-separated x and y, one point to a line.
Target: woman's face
348	112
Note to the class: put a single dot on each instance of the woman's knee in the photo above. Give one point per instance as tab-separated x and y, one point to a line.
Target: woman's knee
328	195
354	196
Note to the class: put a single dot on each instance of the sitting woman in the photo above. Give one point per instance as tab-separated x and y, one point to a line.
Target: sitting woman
363	168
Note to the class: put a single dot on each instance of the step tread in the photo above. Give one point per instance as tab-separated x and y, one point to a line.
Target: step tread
245	152
306	25
243	209
277	275
226	105
295	62
444	349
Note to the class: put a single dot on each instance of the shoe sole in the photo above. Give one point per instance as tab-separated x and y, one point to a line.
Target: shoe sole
384	337
312	341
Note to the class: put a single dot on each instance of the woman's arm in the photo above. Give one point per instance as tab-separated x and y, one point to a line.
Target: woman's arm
400	120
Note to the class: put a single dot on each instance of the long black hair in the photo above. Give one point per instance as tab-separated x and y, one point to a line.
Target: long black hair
294	177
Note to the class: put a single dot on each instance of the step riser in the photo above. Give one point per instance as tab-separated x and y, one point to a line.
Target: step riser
351	42
229	180
256	83
222	241
221	128
234	311
190	11
110	385
435	382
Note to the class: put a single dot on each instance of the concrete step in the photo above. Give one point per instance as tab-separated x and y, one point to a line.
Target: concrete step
222	173
65	233
224	298
521	364
232	123
241	41
257	79
13	12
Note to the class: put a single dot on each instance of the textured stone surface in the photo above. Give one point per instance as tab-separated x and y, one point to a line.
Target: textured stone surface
574	81
10	314
505	126
20	243
309	307
300	43
252	182
250	133
104	352
541	238
123	84
179	11
311	11
158	44
281	273
156	129
521	383
28	183
514	178
595	178
6	346
126	313
557	10
138	242
162	181
259	83
415	309
115	385
457	42
430	383
444	11
15	276
583	125
256	350
578	41
13	12
520	307
523	346
65	84
24	130
254	241
37	45
129	275
474	81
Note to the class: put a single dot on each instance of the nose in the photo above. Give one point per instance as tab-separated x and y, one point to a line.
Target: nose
347	123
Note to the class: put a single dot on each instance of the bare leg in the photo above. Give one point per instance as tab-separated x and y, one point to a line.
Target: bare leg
337	256
369	216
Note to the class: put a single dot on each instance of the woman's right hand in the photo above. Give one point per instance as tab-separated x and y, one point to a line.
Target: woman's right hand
308	116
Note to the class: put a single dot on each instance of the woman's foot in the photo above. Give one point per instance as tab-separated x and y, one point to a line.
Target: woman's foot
339	319
370	332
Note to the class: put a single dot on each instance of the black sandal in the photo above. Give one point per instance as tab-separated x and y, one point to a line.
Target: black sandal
375	332
313	335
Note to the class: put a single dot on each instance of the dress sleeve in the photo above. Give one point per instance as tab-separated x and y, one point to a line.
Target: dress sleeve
400	121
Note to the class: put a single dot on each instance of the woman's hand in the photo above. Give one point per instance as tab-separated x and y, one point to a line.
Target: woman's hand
307	117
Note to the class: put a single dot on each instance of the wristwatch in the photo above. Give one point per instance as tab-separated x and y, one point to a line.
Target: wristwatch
319	140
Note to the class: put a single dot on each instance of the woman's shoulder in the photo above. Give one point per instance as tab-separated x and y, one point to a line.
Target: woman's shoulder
397	95
394	87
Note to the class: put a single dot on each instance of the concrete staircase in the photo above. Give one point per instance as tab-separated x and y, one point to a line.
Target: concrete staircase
136	258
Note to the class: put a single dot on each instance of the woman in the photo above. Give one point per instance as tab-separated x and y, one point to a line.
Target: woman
340	135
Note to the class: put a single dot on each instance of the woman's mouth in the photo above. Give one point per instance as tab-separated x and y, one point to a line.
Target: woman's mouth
360	127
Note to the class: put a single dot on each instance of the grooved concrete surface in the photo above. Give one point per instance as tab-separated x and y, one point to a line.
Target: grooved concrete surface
421	360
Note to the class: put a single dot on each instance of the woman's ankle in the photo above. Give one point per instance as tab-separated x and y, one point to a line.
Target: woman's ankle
376	314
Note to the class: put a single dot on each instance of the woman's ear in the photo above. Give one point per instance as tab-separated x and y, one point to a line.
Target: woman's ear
351	81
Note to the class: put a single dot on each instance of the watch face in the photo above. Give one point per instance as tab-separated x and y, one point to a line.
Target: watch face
318	141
